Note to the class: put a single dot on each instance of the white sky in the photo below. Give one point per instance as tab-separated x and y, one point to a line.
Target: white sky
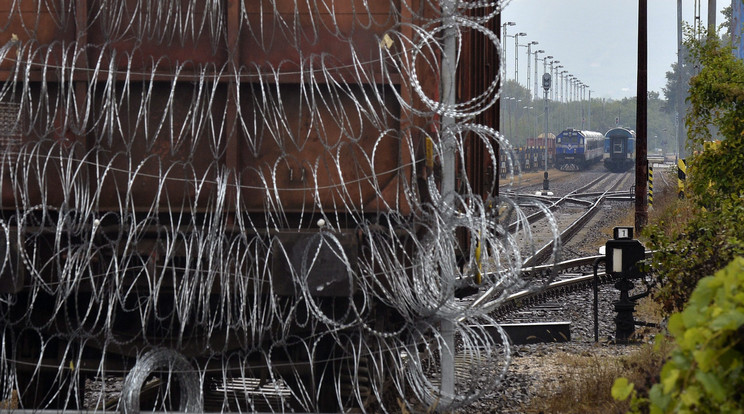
597	40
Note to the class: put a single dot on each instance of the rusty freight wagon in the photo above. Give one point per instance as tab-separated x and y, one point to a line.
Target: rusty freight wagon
235	194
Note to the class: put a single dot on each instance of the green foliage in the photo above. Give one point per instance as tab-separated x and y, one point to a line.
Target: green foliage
705	373
524	117
717	173
716	105
711	240
716	92
715	185
678	83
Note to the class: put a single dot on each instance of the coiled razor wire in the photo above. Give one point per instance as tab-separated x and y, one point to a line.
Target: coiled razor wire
256	227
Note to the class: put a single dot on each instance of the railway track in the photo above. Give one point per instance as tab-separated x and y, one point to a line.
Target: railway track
571	278
573	224
574	274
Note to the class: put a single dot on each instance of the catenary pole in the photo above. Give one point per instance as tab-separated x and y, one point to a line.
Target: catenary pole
641	214
680	100
711	17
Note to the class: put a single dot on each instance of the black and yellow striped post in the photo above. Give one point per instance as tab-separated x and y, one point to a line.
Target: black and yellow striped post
681	177
650	184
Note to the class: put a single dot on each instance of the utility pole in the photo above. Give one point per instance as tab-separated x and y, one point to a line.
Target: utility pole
589	116
641	213
712	17
537	92
680	100
529	70
503	49
516	55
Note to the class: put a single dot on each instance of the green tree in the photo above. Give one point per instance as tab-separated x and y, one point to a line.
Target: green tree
715	231
727	27
705	372
523	117
717	103
676	90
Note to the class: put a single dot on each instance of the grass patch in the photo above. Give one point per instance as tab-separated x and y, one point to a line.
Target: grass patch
648	310
586	381
669	209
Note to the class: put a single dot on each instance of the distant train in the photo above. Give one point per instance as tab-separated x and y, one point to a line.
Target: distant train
577	150
619	149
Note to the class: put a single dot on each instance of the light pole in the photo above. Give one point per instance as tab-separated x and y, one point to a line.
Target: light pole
529	111
589	115
552	64
536	89
583	102
516	55
555	76
563	72
586	102
517	102
576	82
529	51
545	63
503	46
569	81
569	107
511	131
573	93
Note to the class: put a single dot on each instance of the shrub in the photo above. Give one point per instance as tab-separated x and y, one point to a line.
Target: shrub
705	373
714	233
711	240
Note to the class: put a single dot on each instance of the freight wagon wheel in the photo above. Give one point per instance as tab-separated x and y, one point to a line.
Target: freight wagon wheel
344	382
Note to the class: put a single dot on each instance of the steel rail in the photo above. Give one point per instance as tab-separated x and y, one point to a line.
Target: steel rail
547	249
540	214
527	298
544	252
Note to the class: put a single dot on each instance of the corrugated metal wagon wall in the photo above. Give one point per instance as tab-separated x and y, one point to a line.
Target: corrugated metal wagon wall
233	205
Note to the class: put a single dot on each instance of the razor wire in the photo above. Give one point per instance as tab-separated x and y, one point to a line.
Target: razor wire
269	231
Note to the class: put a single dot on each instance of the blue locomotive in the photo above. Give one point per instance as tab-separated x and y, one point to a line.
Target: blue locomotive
577	150
619	149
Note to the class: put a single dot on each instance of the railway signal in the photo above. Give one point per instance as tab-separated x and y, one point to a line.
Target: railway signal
621	256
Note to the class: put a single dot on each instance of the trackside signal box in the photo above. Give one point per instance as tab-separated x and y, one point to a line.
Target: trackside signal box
623	253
